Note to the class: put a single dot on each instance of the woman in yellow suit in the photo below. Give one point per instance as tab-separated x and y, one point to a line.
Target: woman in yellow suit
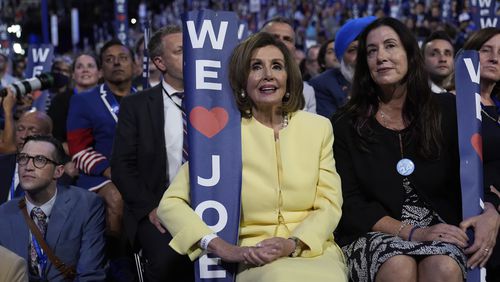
291	195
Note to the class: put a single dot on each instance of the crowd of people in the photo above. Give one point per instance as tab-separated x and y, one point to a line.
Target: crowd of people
350	161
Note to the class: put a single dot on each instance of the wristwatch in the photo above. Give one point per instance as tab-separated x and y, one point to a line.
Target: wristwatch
298	247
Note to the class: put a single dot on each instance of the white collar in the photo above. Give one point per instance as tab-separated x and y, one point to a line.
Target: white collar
46	207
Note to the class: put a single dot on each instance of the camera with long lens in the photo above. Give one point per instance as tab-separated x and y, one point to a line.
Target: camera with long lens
39	82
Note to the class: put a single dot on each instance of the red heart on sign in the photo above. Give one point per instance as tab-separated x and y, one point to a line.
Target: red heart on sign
208	123
477	144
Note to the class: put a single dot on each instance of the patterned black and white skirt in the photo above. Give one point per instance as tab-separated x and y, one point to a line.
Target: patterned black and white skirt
368	253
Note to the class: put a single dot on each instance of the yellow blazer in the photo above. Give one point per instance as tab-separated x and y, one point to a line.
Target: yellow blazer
294	177
13	268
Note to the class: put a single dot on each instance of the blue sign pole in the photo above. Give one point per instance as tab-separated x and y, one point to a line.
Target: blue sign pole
470	141
214	131
121	21
45	21
145	58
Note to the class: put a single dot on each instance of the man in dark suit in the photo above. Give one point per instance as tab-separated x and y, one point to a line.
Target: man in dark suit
147	153
332	86
70	219
29	124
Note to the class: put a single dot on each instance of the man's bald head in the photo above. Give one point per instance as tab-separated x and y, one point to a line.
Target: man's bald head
32	123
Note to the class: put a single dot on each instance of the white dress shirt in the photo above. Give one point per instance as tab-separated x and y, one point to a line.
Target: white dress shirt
173	129
436	89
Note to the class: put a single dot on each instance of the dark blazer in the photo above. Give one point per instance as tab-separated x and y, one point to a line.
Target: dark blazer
75	233
331	90
139	158
7	169
371	186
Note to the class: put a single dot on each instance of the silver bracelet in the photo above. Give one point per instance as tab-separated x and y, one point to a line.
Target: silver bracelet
403	225
206	240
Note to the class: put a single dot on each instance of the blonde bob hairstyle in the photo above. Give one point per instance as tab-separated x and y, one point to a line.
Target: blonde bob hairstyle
239	69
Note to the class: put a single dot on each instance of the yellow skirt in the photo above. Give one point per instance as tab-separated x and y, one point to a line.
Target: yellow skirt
328	267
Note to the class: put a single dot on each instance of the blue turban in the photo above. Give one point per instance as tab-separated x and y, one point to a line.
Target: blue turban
349	32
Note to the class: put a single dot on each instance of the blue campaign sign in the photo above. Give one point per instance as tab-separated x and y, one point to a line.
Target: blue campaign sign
40	58
121	21
214	131
470	141
243	31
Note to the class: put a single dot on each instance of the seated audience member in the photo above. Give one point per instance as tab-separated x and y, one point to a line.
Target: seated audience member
61	68
332	86
289	209
19	66
92	119
154	75
85	74
5	77
311	63
69	220
438	59
282	29
13	267
397	155
326	56
30	123
487	42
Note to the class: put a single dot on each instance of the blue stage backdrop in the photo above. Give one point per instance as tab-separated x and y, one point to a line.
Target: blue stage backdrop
214	132
470	142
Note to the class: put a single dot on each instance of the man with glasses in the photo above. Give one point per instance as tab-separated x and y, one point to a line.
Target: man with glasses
92	118
71	220
30	123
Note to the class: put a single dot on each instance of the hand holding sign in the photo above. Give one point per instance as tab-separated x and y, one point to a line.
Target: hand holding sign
485	232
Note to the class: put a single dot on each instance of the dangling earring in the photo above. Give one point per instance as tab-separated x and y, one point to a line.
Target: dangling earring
248	112
287	97
243	95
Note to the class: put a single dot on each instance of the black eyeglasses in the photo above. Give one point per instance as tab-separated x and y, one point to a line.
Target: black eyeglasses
39	161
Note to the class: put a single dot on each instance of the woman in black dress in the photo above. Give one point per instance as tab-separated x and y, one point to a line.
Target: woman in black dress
397	154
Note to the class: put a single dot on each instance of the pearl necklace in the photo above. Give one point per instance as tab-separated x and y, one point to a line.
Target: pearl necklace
284	121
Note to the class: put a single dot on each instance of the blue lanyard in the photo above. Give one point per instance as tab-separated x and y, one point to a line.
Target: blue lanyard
113	105
42	258
12	187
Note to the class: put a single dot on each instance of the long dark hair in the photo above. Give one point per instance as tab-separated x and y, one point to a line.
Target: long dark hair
476	41
420	111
